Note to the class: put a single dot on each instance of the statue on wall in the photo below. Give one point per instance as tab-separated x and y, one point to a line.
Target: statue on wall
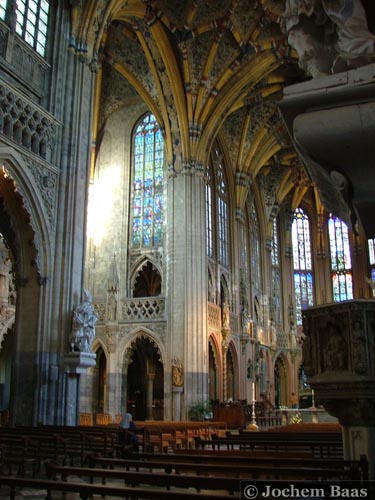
83	325
336	350
329	35
225	315
359	348
177	373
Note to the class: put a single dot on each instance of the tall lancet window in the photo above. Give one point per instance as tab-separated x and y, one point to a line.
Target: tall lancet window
222	211
275	270
255	257
31	22
341	265
148	162
209	216
371	252
3	9
302	263
217	224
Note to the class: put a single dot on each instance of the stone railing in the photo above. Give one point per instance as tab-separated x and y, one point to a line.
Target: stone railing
214	316
26	123
282	340
142	309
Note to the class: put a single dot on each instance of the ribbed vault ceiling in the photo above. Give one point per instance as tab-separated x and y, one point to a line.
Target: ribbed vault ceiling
207	70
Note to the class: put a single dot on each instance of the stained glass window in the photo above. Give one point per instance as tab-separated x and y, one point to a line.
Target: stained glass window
371	251
217	236
254	249
341	266
3	9
32	22
275	271
303	276
148	203
222	207
209	236
223	232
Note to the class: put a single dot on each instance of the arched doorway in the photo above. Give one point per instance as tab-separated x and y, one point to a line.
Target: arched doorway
7	318
231	378
213	374
145	380
281	394
100	382
23	271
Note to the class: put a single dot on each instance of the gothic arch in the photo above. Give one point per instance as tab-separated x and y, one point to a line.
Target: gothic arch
27	231
215	368
225	296
152	272
30	195
232	372
281	378
144	375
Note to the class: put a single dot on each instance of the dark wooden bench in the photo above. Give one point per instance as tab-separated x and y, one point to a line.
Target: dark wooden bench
317	448
135	478
86	490
243	470
356	469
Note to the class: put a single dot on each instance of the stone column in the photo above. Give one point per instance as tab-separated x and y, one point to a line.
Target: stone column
76	363
176	393
187	282
338	356
150	390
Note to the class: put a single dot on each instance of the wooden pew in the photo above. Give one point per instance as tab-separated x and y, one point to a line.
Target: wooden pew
135	478
234	469
356	469
318	445
86	490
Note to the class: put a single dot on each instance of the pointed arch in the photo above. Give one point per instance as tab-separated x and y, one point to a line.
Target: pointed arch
146	274
214	369
16	169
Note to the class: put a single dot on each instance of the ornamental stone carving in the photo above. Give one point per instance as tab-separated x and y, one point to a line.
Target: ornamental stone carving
336	358
83	325
26	123
329	36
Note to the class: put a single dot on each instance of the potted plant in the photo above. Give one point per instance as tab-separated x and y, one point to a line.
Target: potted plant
200	410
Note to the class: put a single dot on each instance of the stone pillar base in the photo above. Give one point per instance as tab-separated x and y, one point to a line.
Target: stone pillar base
177	391
76	363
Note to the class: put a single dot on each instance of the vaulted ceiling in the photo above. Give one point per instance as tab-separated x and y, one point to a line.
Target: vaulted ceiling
208	70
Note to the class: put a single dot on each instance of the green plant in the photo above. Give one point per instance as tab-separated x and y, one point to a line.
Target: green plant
200	410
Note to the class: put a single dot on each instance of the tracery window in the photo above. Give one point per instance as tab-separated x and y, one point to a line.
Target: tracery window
371	252
302	263
275	275
31	21
341	266
254	249
148	176
217	224
209	221
222	207
3	9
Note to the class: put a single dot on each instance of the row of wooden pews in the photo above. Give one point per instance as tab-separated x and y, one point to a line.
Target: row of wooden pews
324	441
174	471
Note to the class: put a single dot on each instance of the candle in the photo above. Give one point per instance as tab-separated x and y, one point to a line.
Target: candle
253	391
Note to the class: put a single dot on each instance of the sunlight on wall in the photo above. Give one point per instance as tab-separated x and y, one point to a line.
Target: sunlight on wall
101	202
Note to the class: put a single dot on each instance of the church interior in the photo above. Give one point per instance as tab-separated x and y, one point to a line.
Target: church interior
187	193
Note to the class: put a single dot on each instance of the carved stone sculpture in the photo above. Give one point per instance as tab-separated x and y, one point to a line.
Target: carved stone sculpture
329	35
177	373
83	325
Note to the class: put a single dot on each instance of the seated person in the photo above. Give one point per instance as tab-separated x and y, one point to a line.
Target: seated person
130	436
